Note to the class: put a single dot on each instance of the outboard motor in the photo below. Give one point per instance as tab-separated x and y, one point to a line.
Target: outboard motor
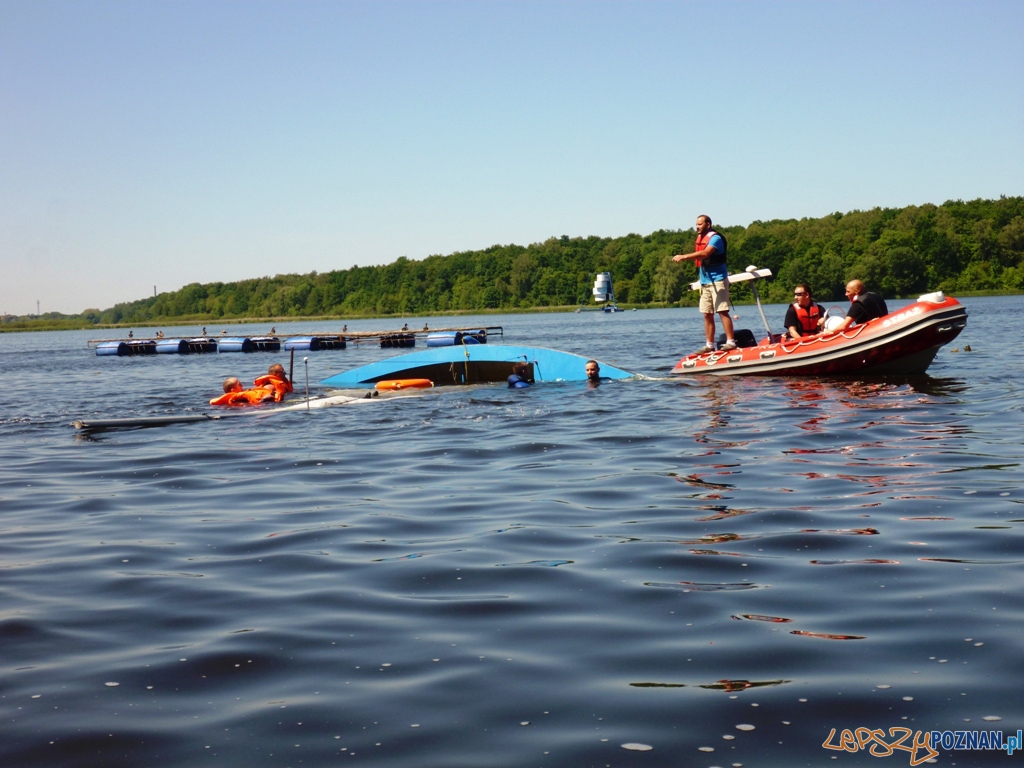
744	338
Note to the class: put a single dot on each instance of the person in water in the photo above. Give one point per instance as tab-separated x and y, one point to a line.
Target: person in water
709	256
276	381
804	317
864	306
236	394
520	376
593	373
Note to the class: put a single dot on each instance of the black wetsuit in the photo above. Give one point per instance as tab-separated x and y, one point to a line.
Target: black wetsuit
867	306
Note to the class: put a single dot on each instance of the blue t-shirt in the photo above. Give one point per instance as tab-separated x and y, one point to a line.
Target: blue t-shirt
714	273
516	382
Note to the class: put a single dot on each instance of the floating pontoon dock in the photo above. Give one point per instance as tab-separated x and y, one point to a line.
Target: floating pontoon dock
313	342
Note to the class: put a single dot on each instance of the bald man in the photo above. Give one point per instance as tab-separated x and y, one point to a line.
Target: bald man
864	306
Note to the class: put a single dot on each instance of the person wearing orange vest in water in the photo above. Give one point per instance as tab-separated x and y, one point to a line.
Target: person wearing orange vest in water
709	255
276	381
235	394
804	317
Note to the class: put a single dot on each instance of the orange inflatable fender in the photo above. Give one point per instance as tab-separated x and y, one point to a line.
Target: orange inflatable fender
393	384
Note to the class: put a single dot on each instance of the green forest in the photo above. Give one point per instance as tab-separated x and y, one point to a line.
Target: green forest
958	247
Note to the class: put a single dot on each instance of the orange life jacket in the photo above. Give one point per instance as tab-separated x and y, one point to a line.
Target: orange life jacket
808	318
245	397
280	386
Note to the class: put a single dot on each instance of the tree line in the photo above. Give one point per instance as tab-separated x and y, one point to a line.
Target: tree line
958	247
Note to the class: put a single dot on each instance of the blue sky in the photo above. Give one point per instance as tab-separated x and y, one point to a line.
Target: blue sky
163	143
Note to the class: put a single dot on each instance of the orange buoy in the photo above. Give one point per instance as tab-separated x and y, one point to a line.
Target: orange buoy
392	384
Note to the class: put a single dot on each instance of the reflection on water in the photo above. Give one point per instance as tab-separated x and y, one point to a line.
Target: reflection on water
552	576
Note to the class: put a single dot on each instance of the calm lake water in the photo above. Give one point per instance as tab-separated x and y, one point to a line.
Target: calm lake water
710	572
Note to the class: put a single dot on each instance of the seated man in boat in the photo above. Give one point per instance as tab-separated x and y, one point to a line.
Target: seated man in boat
276	381
235	394
520	376
804	317
864	306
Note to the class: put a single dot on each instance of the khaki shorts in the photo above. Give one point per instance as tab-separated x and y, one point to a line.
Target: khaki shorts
714	298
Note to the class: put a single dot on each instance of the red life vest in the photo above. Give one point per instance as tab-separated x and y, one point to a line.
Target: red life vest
718	257
808	318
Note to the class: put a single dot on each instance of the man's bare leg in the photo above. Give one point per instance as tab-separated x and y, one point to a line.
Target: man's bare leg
709	328
726	325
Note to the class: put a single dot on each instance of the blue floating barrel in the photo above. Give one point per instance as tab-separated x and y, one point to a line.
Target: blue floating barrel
171	347
441	339
111	348
266	344
450	338
303	343
202	344
234	344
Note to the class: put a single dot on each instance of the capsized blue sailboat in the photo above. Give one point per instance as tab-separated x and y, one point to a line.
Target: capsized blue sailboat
473	364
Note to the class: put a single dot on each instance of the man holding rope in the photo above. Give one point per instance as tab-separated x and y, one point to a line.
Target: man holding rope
709	255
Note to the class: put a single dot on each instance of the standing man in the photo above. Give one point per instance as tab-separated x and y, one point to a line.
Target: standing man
709	254
864	306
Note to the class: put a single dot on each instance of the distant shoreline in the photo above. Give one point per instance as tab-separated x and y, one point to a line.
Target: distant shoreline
28	326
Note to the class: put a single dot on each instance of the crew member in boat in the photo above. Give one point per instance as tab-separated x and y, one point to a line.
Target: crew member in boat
276	381
520	376
804	317
236	394
709	254
864	306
